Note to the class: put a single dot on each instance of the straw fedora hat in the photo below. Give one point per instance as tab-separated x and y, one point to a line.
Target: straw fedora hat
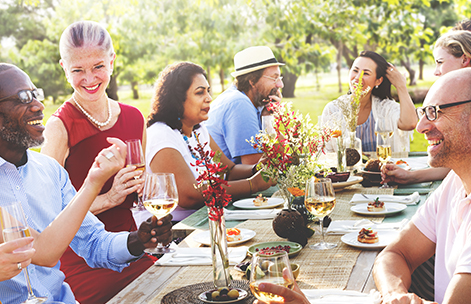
252	59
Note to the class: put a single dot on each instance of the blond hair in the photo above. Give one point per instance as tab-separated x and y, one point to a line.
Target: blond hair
85	34
456	43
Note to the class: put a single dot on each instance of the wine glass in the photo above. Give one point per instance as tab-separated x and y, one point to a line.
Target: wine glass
320	201
384	131
160	197
135	157
14	227
267	125
270	266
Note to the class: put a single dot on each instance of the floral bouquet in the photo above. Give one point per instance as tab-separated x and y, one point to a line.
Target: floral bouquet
291	155
210	183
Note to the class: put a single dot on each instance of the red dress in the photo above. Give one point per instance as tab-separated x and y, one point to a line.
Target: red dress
98	285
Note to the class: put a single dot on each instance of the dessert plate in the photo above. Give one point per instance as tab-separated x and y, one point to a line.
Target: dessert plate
391	208
247	203
352	180
203	237
385	237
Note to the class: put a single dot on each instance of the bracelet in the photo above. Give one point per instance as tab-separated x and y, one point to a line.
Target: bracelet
250	184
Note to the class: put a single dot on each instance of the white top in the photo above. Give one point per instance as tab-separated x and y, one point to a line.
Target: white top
380	108
445	219
161	136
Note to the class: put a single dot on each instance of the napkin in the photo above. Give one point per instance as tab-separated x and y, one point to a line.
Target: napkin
412	199
344	227
258	214
198	256
337	296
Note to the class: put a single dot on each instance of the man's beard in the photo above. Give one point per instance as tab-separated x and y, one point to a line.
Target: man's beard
12	133
264	100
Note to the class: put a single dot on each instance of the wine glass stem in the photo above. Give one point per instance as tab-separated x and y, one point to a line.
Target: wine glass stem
321	223
28	283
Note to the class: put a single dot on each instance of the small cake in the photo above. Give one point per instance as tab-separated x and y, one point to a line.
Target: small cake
376	206
260	201
373	165
368	236
233	235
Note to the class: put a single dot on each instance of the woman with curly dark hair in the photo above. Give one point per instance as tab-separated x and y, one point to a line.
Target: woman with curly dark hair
180	104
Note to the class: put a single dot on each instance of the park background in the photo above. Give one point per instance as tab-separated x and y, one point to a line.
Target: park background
318	40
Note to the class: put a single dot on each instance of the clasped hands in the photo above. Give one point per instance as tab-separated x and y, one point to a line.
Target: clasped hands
150	233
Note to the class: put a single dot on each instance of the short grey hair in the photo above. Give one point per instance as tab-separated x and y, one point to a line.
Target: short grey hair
85	34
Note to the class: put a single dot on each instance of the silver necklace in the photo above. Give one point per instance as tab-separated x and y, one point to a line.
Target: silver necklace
99	124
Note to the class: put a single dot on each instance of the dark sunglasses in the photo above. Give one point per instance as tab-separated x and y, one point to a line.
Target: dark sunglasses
431	112
26	96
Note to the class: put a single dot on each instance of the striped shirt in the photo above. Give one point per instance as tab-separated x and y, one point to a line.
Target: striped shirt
366	132
43	188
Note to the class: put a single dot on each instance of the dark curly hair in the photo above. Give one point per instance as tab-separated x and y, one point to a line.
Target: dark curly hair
170	93
384	89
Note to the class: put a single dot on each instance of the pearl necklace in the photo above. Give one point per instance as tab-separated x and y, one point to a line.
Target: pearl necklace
99	124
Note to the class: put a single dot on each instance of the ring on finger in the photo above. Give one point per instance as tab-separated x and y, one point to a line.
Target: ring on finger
126	185
19	266
109	155
391	70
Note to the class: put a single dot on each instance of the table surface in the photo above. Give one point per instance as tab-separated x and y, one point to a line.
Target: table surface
157	281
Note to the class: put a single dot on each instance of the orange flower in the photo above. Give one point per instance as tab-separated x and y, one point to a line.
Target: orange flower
296	191
336	133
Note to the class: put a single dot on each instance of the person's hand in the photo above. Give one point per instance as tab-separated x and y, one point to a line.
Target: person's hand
397	79
125	183
294	296
12	255
276	97
391	173
259	184
107	162
404	298
155	231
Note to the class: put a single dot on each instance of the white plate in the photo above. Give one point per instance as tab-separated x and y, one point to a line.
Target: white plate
203	237
242	295
385	237
247	203
352	180
390	209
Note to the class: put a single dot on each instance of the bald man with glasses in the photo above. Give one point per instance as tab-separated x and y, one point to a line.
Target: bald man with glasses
441	226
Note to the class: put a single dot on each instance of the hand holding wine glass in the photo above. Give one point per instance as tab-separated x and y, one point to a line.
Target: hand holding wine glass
14	227
160	197
271	266
384	131
320	201
135	157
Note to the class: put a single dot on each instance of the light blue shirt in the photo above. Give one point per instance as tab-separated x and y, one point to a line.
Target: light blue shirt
43	188
233	119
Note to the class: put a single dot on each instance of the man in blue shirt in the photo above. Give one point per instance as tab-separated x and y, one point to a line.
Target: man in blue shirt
56	214
236	114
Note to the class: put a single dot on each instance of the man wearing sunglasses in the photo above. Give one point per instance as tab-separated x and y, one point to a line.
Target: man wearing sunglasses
236	115
442	226
56	214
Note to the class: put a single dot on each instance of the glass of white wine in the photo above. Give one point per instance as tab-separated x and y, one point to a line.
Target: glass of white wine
135	157
14	227
160	197
384	131
270	266
320	201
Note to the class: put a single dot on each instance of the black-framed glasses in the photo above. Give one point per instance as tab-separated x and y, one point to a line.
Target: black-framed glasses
431	112
26	96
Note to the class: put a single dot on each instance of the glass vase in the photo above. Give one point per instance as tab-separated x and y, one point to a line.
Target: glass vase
341	161
217	231
353	151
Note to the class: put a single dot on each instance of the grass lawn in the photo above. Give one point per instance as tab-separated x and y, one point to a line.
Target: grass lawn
308	99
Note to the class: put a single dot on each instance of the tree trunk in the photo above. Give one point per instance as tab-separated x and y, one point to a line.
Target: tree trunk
135	90
289	80
421	69
112	89
208	73
339	65
411	72
221	77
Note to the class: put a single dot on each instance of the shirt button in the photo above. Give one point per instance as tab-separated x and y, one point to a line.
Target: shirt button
17	187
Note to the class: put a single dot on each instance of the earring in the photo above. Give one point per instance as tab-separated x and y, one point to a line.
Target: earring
376	86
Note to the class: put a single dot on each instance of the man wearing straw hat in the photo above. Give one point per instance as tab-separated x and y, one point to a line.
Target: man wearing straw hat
236	115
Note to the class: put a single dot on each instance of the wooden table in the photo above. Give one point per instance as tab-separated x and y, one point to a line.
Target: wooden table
157	281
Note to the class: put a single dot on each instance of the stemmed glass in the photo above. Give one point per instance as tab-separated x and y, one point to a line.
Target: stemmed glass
267	125
384	131
160	197
271	266
135	157
14	227
320	201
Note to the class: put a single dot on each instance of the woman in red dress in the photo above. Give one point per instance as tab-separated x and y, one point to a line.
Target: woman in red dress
75	134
